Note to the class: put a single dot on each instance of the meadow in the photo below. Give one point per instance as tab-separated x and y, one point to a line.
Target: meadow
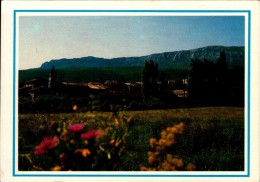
212	138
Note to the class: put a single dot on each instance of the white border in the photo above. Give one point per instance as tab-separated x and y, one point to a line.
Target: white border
6	77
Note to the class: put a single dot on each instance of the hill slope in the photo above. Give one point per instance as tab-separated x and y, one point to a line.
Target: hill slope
176	59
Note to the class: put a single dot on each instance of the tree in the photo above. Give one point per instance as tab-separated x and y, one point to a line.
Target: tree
209	82
202	80
149	76
223	87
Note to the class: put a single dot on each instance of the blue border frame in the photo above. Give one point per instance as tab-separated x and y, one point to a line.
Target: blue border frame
129	175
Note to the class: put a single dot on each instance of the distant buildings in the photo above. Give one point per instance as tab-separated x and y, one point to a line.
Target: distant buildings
35	87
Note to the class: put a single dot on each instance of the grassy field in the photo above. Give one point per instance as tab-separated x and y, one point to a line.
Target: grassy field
213	137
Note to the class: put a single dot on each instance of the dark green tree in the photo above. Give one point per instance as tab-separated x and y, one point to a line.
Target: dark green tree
222	78
149	77
209	82
202	80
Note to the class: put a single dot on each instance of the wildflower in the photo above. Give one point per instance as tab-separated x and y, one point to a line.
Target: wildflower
163	134
151	159
162	142
177	162
168	157
170	136
157	153
151	169
89	135
83	152
166	166
173	168
150	153
116	122
152	142
168	129
46	144
76	127
180	128
174	130
143	168
56	168
190	167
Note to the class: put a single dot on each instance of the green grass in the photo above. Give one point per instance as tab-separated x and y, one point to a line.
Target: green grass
213	138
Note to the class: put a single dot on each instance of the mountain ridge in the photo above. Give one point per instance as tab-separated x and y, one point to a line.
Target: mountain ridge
175	59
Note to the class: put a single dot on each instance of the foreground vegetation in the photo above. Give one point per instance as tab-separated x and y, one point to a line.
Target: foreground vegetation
212	138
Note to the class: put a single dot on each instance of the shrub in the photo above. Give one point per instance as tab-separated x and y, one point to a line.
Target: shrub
162	157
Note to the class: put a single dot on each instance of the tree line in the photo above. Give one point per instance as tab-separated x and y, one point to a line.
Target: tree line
215	82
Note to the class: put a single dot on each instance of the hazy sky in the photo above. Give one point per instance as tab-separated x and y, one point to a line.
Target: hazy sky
42	38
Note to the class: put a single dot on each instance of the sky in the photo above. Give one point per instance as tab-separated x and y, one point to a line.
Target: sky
44	38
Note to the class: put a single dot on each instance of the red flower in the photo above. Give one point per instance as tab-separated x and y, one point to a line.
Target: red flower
76	127
90	134
46	144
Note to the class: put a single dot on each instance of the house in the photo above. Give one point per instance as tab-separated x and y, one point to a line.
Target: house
181	93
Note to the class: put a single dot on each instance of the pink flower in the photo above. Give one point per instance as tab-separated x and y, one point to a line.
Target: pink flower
90	134
76	127
46	144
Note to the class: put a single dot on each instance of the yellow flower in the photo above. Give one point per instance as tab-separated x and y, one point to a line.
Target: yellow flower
56	168
174	130
173	168
143	168
150	153
157	153
178	162
152	142
166	166
190	167
151	169
180	127
162	142
169	143
168	129
169	136
168	157
151	159
163	134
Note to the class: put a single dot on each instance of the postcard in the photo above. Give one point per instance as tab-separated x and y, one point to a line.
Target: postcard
145	90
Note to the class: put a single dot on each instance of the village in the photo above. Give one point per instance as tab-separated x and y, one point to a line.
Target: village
114	91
